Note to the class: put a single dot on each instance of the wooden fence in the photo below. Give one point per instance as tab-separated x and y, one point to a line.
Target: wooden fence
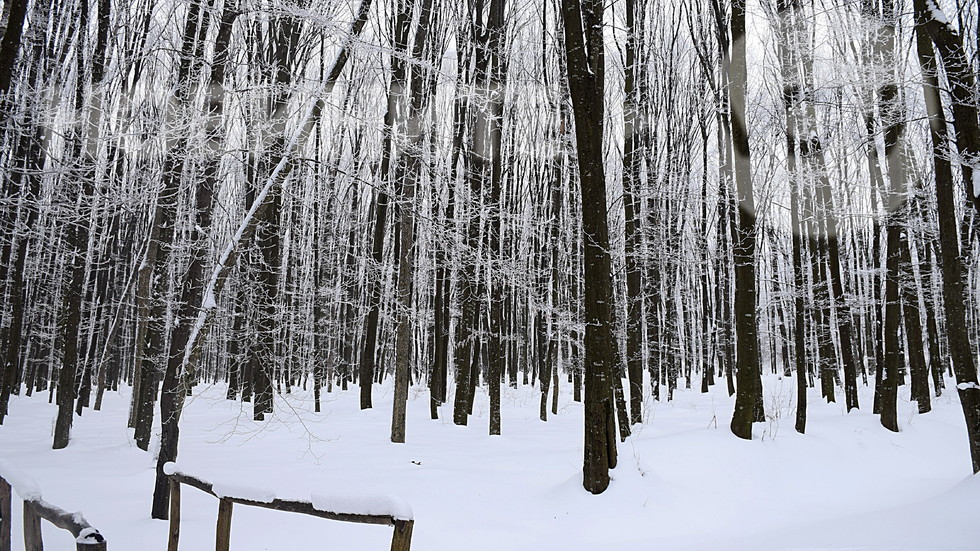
401	539
35	509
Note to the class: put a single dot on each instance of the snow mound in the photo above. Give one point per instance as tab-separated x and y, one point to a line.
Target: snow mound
24	485
89	536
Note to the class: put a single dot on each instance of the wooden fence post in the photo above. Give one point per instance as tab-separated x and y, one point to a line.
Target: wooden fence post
401	540
32	529
91	543
4	515
174	538
222	538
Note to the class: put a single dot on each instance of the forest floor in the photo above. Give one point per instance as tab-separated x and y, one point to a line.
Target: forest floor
683	481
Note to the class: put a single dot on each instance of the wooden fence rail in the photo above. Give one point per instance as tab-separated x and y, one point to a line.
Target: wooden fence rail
401	539
35	509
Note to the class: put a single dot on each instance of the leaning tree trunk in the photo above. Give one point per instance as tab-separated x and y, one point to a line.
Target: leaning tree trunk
192	288
951	261
228	258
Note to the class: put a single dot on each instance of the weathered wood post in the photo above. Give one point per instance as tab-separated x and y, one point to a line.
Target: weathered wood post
90	540
174	538
32	529
401	540
222	538
4	515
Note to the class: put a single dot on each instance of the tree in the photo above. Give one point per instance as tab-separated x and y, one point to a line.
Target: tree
583	27
197	324
411	165
748	399
631	180
893	120
396	98
951	259
786	29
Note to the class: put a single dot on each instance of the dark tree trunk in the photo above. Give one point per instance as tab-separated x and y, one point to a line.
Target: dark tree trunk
748	398
893	115
791	99
495	33
10	45
367	370
76	238
951	261
583	31
919	372
631	180
71	316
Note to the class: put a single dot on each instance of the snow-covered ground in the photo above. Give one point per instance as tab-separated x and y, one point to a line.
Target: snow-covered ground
683	482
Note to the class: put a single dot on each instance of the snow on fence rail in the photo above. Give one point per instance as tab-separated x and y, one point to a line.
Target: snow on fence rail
35	509
381	510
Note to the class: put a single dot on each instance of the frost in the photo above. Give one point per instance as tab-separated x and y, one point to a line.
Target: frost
968	386
258	495
382	505
25	486
221	267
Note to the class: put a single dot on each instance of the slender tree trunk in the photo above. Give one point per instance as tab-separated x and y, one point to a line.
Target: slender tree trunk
496	35
412	159
919	372
749	394
631	180
396	93
786	33
71	317
893	117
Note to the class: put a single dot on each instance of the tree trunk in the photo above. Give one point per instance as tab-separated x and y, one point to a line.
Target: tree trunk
367	369
631	180
748	398
951	261
583	30
412	159
893	116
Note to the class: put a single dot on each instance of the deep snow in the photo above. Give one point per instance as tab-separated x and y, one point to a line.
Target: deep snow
683	482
